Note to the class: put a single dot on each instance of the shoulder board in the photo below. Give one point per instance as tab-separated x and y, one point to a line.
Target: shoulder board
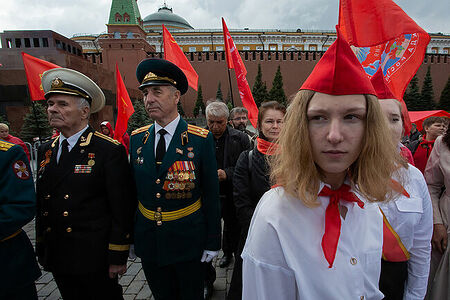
105	137
4	146
142	129
198	131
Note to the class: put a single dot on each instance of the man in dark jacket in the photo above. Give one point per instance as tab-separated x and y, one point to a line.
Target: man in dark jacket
85	195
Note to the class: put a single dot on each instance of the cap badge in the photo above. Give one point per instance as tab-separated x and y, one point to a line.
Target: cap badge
57	83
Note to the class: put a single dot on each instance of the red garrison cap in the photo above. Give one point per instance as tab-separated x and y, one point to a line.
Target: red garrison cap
339	72
379	84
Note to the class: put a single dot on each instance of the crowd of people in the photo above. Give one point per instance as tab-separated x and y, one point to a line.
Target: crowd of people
322	202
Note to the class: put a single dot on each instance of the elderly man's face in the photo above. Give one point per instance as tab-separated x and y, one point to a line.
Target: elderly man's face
161	103
4	132
239	121
216	125
65	114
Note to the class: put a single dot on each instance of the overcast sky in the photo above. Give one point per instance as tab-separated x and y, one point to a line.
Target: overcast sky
69	17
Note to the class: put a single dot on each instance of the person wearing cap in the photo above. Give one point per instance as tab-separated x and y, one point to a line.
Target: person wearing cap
318	233
17	208
85	194
107	129
178	219
406	254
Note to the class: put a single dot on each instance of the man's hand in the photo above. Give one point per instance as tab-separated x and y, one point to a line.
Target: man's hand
221	174
439	239
115	270
208	255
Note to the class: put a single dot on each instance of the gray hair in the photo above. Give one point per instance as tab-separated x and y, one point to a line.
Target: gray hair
238	110
217	109
82	103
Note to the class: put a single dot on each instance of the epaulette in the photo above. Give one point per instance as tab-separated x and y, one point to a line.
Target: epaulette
105	137
4	146
139	130
198	130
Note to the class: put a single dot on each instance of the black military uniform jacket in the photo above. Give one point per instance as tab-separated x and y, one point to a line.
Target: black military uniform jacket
86	207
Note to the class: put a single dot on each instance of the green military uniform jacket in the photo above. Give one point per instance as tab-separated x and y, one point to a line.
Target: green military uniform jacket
17	208
85	211
170	227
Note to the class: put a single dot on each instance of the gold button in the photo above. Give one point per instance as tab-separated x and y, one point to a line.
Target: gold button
158	181
69	229
66	197
47	197
45	213
353	261
158	195
49	229
65	214
127	236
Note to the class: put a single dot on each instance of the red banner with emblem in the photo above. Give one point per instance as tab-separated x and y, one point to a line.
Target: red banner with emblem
173	53
384	36
241	72
124	107
34	68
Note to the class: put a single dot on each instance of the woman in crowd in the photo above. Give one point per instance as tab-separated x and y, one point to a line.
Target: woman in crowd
406	257
318	235
251	179
437	175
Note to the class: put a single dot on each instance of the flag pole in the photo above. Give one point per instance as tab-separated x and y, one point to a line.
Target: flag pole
35	115
231	87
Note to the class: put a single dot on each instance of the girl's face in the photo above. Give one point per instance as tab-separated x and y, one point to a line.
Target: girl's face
391	110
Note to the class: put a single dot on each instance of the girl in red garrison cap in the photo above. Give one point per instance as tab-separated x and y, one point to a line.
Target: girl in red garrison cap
318	234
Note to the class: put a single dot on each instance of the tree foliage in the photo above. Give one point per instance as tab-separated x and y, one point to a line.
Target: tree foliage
219	94
259	90
412	95
277	92
139	118
427	94
444	101
199	104
35	123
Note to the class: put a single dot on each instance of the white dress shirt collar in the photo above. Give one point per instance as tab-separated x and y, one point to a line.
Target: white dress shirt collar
72	141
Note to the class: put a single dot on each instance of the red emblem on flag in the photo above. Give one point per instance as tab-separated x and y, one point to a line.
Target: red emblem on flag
21	170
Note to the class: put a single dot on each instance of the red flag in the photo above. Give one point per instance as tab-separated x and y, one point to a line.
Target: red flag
124	108
34	68
385	37
235	61
173	53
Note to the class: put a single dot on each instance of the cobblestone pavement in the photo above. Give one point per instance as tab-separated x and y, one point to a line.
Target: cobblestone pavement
133	281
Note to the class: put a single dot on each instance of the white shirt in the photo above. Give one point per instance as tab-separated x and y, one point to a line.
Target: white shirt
71	141
170	128
283	257
412	219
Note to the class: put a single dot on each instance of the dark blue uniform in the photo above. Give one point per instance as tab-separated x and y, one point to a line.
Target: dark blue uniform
19	269
179	213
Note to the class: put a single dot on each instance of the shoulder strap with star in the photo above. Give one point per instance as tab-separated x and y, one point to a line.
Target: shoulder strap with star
5	146
105	137
142	129
202	132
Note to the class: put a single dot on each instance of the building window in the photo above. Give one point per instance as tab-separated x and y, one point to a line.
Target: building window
219	48
36	42
434	50
58	44
44	42
27	42
312	48
246	48
126	17
445	51
205	49
64	46
118	17
273	48
8	43
69	48
18	43
78	52
117	35
325	48
192	49
129	35
260	48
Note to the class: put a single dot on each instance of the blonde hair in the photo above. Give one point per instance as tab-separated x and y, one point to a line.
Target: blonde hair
294	168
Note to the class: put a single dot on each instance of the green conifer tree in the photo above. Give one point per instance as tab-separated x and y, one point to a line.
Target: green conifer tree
444	101
35	123
219	94
427	95
199	103
4	120
259	90
139	118
180	108
277	92
412	95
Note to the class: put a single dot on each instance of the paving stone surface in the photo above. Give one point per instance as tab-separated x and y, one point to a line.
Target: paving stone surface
133	282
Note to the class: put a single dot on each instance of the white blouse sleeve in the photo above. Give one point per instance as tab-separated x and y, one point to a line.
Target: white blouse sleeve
419	262
435	179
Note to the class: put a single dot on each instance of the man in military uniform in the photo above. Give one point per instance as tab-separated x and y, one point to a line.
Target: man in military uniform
19	268
86	197
178	220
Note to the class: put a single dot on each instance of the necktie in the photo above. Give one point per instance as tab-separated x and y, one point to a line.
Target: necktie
161	147
330	238
64	152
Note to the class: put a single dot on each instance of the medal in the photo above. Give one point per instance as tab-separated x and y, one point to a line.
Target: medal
182	186
170	176
139	150
171	186
177	186
168	196
192	176
179	151
91	160
190	155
